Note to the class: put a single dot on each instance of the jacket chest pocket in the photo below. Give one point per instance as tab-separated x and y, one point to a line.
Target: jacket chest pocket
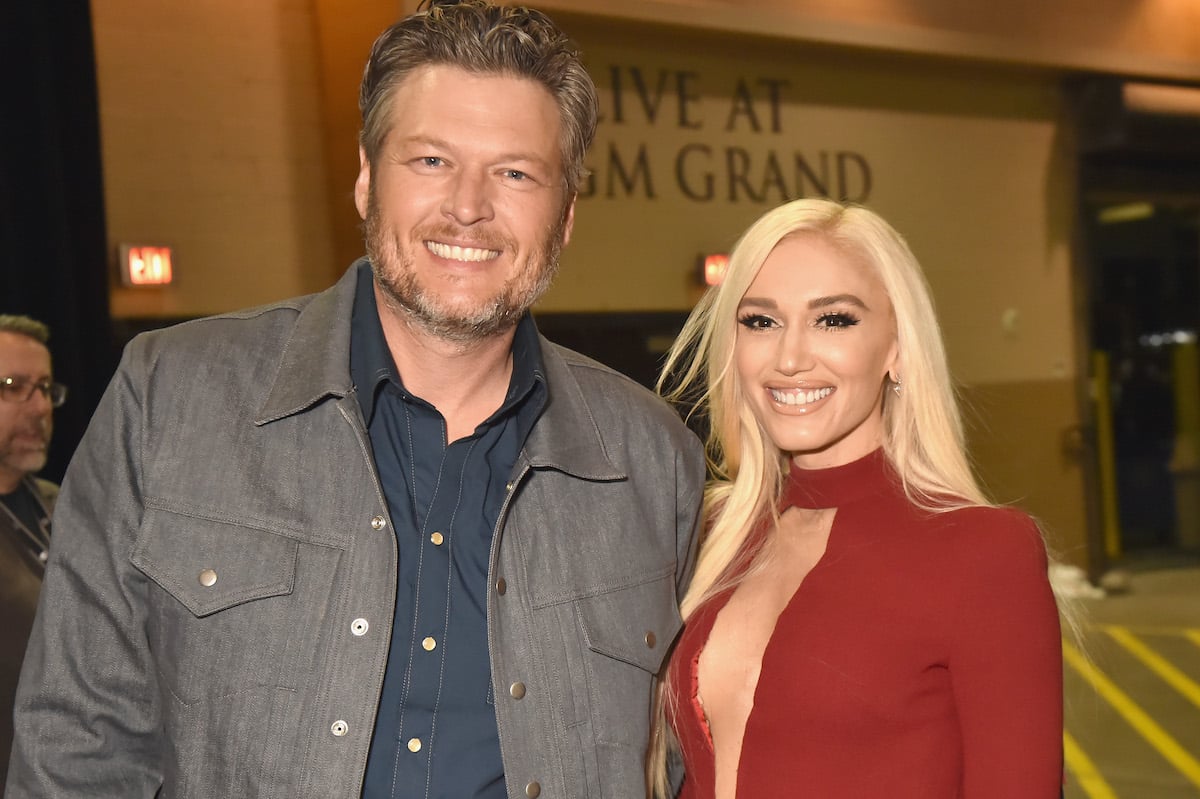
627	633
225	614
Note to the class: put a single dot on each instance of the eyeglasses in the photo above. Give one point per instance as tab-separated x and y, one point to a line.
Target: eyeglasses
20	389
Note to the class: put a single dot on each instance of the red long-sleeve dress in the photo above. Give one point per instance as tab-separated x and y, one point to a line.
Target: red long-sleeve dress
919	659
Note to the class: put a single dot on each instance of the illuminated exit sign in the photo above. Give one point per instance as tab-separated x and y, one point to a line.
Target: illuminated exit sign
712	269
143	265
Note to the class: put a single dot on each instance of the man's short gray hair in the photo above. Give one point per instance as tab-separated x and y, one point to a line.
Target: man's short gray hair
24	326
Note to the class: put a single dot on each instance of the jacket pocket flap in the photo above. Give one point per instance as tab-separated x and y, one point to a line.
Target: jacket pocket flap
210	565
635	624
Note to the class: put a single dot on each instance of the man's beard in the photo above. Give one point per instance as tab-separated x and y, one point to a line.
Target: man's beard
396	276
25	461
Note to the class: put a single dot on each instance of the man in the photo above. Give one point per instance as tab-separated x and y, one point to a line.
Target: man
383	541
28	397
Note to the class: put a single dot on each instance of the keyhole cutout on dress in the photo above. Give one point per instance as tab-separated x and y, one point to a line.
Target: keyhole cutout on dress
730	663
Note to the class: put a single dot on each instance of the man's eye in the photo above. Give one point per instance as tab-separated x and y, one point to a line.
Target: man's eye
515	174
431	160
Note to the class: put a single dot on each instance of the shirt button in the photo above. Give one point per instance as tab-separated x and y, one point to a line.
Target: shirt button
437	539
208	578
428	644
501	586
378	522
651	639
359	626
414	744
517	690
533	790
339	728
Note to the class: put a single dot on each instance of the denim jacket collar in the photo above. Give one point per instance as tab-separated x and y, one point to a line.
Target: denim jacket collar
316	359
315	364
566	437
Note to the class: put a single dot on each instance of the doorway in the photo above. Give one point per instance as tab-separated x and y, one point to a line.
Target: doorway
1144	251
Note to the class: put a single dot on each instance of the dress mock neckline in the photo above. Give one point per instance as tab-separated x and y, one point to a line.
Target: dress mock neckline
838	485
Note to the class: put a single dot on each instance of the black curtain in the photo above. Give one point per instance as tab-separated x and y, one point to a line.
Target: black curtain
53	249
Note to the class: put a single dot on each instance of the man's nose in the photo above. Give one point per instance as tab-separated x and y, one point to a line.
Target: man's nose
469	199
39	402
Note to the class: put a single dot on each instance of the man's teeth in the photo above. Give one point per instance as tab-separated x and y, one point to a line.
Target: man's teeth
455	253
800	397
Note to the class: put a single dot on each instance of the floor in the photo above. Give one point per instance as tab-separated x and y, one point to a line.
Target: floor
1132	688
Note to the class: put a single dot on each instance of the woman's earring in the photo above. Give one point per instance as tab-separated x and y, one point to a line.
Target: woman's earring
895	384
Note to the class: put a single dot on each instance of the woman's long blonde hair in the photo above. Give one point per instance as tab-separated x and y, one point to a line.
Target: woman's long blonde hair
923	430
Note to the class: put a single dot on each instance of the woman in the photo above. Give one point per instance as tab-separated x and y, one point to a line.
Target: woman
862	622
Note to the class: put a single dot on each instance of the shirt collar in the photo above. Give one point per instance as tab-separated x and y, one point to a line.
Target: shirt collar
371	362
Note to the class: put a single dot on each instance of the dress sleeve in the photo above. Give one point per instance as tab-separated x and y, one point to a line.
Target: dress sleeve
1006	659
87	708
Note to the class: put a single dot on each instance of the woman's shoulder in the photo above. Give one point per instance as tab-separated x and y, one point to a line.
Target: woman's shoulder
992	534
990	517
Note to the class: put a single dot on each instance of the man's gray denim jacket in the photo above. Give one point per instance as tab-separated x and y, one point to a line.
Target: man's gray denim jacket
218	604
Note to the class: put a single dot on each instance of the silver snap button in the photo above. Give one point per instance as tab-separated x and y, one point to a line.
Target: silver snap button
533	790
339	728
378	523
359	626
517	690
208	578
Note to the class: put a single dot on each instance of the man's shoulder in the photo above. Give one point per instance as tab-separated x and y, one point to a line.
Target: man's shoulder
593	374
46	491
609	392
256	325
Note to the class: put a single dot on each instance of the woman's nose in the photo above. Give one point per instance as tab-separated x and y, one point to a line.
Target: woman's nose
794	355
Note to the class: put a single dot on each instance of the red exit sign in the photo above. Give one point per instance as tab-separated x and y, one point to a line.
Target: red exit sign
145	265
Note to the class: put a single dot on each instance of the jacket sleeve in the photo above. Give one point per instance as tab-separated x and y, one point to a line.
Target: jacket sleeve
692	471
87	711
692	468
1006	662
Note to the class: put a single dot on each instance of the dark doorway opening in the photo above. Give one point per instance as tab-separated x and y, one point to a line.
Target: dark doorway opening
1140	204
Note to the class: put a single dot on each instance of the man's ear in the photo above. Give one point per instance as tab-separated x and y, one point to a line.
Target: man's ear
362	184
569	221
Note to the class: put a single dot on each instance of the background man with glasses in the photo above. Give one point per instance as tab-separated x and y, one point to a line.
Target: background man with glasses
28	397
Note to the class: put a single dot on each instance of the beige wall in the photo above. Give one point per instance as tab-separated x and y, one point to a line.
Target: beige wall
212	143
965	162
1147	38
229	132
969	163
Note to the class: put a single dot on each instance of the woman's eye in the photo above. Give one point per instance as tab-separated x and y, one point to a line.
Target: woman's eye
837	320
756	322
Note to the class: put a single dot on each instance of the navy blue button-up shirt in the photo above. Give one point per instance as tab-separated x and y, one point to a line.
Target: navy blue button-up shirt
435	732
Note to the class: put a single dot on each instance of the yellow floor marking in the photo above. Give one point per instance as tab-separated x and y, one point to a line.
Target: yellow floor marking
1085	771
1137	718
1156	663
1193	635
1139	629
